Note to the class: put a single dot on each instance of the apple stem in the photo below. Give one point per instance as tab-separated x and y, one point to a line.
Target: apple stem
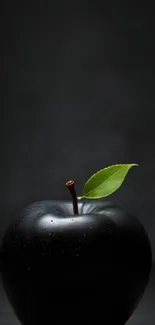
71	188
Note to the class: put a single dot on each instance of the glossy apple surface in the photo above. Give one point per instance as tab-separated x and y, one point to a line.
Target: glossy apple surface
91	268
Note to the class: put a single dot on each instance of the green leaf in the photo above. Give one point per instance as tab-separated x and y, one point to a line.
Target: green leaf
105	181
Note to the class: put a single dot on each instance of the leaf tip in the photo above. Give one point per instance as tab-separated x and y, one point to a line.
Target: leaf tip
136	165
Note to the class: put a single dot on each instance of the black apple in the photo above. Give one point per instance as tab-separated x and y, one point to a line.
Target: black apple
88	268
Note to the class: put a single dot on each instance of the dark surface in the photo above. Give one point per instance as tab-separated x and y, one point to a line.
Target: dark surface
143	315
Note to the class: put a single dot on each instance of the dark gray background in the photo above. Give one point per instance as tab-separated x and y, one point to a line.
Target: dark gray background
77	95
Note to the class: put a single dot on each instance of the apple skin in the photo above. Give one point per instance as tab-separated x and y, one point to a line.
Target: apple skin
91	268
